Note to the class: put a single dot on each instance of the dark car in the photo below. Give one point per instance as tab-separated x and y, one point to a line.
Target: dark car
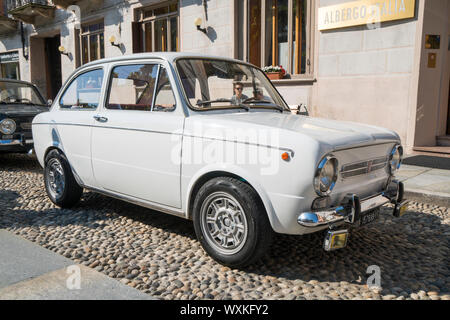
20	102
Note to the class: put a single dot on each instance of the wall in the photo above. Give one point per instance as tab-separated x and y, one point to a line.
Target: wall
363	74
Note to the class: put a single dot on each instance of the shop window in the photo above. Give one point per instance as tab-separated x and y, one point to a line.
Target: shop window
92	42
9	65
157	29
275	32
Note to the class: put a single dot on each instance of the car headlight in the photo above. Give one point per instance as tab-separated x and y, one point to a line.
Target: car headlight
7	126
395	158
326	175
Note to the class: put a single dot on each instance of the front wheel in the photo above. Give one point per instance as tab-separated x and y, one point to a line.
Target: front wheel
60	184
230	222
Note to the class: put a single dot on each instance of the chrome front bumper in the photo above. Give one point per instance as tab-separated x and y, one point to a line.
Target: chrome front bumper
16	142
352	207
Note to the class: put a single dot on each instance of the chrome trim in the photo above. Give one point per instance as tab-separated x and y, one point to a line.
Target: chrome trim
292	152
340	213
136	201
320	166
15	142
363	167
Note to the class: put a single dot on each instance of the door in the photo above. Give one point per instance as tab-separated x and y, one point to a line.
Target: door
77	106
136	142
53	64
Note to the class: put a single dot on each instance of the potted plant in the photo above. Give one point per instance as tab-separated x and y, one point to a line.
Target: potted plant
274	72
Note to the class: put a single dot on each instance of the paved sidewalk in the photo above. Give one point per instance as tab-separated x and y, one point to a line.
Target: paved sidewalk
29	272
426	179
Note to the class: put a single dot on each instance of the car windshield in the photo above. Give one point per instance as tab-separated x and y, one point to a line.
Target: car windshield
19	93
217	84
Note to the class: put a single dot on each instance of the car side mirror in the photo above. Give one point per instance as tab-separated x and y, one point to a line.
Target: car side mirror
300	112
49	102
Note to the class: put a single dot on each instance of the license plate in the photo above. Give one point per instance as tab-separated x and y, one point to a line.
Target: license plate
5	141
370	216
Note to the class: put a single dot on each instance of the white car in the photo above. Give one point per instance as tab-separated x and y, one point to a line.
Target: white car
210	139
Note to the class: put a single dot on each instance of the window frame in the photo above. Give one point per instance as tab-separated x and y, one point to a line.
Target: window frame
151	20
72	79
244	47
88	35
127	63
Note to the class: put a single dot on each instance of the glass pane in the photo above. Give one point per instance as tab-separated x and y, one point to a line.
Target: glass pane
165	100
173	8
102	46
174	34
270	28
132	87
10	70
84	49
255	32
282	33
162	10
93	47
148	37
84	91
210	84
15	94
148	13
161	35
299	36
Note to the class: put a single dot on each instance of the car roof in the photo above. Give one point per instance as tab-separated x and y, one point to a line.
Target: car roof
168	56
16	81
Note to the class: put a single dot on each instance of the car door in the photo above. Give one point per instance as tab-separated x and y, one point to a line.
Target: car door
136	142
73	120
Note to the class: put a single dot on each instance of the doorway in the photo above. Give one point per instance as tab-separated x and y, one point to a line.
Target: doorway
448	111
53	66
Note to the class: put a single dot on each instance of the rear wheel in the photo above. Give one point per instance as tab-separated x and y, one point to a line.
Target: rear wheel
230	222
60	184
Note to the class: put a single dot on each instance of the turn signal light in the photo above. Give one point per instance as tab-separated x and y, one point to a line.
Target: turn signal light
285	156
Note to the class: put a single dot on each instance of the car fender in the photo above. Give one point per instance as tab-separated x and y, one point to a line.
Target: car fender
232	169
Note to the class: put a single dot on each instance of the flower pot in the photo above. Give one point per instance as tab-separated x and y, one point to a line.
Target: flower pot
275	75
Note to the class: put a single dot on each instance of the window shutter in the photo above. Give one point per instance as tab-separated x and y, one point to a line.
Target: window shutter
137	37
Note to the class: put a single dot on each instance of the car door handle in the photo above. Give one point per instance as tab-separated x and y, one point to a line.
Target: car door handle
100	119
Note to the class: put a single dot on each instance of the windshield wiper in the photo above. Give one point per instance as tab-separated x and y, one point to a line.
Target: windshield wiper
243	106
276	106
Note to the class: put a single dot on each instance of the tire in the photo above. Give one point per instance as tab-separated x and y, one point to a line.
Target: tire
241	224
60	184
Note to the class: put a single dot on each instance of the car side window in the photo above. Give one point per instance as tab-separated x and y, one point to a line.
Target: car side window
84	91
165	99
132	87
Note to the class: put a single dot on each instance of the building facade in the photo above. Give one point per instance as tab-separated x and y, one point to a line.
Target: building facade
392	71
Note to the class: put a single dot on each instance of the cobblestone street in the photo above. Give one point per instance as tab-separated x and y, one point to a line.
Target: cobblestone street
159	254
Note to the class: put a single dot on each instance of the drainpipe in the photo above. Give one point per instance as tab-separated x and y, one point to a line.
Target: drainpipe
25	55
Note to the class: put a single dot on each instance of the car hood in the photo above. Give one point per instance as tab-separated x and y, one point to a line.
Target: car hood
331	133
9	110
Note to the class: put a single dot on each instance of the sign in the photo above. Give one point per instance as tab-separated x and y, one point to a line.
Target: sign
364	12
9	57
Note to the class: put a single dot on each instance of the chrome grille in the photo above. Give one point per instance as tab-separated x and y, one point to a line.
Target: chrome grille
363	167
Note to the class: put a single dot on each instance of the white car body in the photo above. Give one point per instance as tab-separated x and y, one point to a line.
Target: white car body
130	156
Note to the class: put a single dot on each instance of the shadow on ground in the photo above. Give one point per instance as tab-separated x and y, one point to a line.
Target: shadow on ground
412	251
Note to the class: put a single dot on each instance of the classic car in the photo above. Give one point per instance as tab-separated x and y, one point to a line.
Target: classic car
20	101
210	139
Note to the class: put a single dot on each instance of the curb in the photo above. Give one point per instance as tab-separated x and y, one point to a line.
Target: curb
436	198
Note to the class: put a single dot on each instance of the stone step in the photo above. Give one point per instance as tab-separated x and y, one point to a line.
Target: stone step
443	141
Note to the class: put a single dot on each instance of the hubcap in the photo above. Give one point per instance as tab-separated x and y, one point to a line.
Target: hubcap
223	223
55	178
